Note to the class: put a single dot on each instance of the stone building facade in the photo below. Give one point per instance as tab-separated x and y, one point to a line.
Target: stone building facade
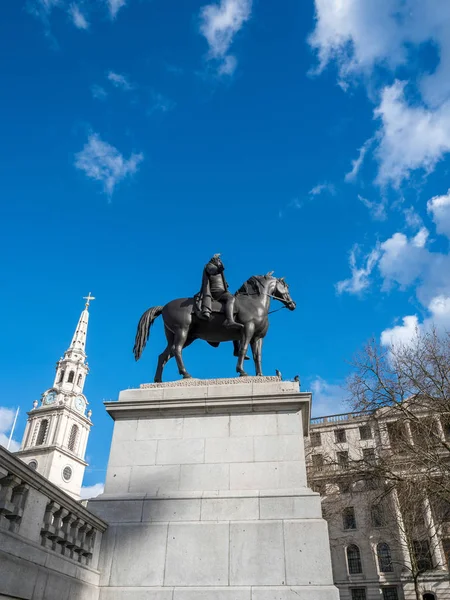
370	557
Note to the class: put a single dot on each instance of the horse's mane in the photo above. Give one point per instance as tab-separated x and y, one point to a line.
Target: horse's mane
253	285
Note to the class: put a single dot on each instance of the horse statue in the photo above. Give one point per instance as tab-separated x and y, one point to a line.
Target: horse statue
183	325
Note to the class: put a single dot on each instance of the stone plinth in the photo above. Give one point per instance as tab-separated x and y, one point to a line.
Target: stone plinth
206	495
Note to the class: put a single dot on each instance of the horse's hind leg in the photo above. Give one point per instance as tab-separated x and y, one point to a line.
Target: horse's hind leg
180	340
165	356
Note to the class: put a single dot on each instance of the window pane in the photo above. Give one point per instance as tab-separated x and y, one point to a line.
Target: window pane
369	456
342	459
422	555
354	560
390	593
348	518
315	439
384	558
358	593
365	432
339	436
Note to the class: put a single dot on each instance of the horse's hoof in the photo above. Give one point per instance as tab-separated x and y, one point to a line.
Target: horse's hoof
259	374
186	375
157	380
243	374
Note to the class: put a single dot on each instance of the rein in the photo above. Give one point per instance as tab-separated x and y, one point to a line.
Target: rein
247	293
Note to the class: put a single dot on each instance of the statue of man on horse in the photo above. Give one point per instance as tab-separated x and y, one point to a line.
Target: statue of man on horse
216	316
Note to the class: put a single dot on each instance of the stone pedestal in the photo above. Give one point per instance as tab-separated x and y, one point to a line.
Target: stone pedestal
206	495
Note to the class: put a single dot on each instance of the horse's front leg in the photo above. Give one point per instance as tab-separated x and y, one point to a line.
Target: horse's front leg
256	345
245	340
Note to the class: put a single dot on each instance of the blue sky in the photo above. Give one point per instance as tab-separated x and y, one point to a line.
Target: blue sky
141	136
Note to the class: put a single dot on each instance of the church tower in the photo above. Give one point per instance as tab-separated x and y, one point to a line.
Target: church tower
57	431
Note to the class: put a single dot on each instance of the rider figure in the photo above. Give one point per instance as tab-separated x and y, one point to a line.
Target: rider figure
215	287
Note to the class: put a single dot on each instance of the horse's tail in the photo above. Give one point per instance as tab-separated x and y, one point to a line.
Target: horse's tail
143	329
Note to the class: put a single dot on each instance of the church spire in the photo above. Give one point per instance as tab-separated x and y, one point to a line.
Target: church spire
79	338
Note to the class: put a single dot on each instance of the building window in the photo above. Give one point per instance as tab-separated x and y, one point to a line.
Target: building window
342	459
317	461
315	439
358	593
354	560
398	436
339	436
428	596
73	438
42	434
377	515
33	464
384	558
365	432
348	518
80	377
390	592
61	377
67	473
422	555
71	377
446	548
369	456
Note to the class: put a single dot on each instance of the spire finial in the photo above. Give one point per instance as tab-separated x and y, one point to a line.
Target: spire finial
88	299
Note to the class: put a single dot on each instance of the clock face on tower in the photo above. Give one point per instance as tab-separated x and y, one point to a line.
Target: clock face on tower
80	404
50	398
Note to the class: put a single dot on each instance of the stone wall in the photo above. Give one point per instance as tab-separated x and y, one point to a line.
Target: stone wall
49	543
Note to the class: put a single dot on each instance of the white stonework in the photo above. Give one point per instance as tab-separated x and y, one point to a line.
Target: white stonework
206	495
57	431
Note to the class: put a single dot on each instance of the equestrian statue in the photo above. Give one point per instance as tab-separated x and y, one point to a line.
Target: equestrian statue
215	315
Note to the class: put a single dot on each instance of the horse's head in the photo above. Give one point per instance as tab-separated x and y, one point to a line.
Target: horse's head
281	293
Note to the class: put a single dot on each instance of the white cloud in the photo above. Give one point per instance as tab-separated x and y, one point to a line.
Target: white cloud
219	23
360	278
6	421
360	37
357	163
439	208
98	92
439	317
120	81
328	398
412	137
160	103
91	491
322	187
78	18
103	162
376	209
114	6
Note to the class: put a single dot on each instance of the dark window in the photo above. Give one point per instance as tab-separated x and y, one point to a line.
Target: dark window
390	592
339	436
422	555
61	377
358	593
377	515
71	377
369	456
80	377
342	459
348	518
428	596
354	560
425	432
365	432
446	547
317	461
384	558
73	438
398	437
42	434
315	439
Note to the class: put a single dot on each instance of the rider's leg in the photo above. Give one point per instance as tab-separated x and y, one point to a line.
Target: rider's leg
229	307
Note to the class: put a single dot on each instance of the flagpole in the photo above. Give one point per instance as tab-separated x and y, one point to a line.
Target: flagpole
12	429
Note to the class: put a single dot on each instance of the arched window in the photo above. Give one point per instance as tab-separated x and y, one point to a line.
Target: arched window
80	377
61	377
42	434
384	558
354	560
71	377
429	596
73	438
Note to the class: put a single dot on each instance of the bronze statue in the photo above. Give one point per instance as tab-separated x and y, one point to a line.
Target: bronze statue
215	287
184	318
